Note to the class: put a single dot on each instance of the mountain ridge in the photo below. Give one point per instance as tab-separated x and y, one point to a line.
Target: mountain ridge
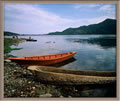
108	26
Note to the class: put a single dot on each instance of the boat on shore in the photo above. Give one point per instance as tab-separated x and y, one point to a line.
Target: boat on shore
43	60
61	76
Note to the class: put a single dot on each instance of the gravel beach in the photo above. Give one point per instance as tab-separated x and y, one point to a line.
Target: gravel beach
21	83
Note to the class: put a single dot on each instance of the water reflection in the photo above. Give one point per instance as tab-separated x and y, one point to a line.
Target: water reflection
104	42
90	55
64	62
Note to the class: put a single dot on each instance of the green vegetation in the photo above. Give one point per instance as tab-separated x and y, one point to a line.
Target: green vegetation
10	34
108	26
8	42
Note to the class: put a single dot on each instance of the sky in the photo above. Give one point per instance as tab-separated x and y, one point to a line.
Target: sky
45	18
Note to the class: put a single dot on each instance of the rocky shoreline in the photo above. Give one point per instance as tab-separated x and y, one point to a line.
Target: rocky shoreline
19	82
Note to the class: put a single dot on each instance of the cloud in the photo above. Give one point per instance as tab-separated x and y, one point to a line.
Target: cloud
108	9
105	8
30	16
30	13
98	19
78	6
24	18
94	5
86	21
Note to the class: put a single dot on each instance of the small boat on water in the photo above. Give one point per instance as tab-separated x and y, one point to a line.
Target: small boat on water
43	60
31	40
61	76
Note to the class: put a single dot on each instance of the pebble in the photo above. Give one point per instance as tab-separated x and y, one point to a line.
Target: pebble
61	96
7	60
33	88
24	73
22	95
46	95
32	92
12	63
21	92
28	88
29	82
13	91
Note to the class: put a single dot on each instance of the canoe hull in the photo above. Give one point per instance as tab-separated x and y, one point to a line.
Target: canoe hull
69	77
42	62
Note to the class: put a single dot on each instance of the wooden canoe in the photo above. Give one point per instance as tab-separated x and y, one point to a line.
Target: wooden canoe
72	77
43	60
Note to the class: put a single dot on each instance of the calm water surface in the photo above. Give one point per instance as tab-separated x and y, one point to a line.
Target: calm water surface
95	52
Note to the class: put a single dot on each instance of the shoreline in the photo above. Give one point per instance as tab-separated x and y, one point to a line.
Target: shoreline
17	77
20	82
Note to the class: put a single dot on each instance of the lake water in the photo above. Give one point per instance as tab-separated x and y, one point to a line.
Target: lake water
95	52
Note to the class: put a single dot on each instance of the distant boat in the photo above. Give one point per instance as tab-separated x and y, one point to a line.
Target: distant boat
48	42
43	59
61	76
31	40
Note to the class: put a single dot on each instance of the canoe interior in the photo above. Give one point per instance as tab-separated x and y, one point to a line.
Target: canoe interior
45	57
44	60
74	72
69	77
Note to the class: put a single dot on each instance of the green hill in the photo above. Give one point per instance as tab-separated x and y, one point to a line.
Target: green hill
108	26
10	34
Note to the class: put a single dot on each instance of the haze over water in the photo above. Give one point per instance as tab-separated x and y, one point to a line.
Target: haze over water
95	52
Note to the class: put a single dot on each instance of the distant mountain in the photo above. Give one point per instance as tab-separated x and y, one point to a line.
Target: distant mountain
6	33
10	34
31	34
108	26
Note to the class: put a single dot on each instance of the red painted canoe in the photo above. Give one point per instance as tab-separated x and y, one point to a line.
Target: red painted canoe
43	60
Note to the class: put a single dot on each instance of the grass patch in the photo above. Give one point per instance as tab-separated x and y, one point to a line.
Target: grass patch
10	41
